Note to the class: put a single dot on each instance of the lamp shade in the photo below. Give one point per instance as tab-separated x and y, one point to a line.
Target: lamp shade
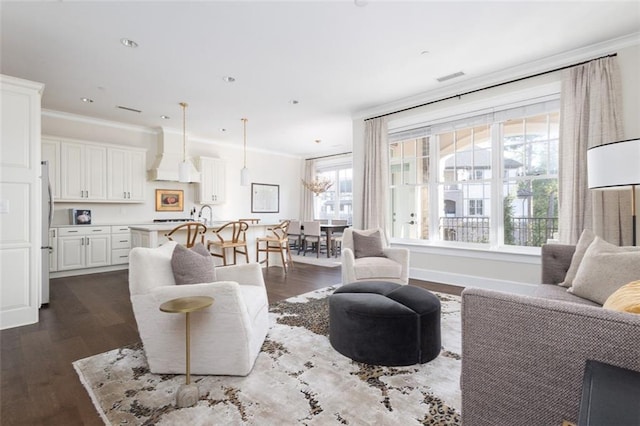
244	177
614	164
184	174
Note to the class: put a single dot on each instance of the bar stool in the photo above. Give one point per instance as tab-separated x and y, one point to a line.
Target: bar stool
193	230
276	242
235	238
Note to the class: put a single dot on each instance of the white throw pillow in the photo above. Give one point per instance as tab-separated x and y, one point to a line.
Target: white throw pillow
604	269
586	238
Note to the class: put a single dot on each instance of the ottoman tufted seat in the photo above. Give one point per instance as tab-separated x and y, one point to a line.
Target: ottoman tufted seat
384	323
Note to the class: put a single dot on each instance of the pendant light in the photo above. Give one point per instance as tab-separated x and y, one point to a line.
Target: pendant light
244	173
183	168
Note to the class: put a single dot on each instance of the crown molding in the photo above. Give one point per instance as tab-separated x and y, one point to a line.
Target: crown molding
98	121
519	71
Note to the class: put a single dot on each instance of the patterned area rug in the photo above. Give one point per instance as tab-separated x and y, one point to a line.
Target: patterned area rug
298	378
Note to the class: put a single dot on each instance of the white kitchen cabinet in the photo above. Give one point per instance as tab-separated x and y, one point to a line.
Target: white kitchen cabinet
211	189
84	247
51	154
126	175
53	249
83	173
120	245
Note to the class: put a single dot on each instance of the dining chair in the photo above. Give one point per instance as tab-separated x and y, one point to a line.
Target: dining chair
336	237
231	235
295	235
193	229
276	241
312	235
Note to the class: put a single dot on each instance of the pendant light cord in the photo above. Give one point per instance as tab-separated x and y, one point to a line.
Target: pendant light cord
244	121
184	106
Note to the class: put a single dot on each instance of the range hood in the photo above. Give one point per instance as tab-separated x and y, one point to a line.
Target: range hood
165	167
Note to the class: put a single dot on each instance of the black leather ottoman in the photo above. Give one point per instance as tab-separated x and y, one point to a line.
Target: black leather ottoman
383	323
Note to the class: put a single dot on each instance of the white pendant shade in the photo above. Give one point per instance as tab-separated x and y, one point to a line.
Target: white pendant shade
184	174
244	176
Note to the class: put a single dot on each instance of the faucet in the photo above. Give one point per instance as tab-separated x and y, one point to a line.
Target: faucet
210	215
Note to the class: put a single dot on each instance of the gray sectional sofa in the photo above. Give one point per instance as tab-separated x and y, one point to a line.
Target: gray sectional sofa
523	357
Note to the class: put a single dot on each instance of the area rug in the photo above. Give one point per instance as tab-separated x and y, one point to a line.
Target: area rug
298	379
323	260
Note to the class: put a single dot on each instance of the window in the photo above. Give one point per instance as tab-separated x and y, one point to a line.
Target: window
490	179
336	203
475	207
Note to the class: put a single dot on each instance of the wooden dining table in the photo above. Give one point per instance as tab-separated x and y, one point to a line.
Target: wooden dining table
329	229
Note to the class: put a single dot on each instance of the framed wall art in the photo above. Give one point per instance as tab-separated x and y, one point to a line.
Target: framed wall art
265	198
169	200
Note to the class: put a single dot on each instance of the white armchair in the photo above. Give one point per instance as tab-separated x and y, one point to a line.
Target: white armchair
394	267
225	338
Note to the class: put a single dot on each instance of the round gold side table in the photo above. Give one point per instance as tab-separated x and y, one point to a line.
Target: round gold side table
187	394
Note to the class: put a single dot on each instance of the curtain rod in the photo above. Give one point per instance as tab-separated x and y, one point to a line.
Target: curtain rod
328	156
491	87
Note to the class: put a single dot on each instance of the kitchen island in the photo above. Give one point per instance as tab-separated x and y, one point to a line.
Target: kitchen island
155	235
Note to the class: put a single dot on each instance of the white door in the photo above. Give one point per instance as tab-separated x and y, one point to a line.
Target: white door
117	176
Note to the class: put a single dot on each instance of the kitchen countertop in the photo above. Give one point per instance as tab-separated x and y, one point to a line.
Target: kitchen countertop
168	226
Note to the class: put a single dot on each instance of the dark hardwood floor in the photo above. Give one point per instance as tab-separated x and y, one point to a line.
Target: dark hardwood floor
88	315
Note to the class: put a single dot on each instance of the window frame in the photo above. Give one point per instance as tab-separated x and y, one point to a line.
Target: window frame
523	98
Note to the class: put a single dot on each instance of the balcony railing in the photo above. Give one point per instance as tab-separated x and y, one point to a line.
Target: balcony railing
519	231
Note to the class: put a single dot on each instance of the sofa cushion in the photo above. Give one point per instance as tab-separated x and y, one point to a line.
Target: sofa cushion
367	245
192	266
376	267
586	238
604	269
625	299
555	292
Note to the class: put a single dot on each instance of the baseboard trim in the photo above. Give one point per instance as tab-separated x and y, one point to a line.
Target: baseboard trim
76	272
462	280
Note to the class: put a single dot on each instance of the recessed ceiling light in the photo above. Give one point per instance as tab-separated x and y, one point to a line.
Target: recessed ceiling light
360	3
228	79
318	140
223	130
294	102
425	52
87	100
128	42
165	117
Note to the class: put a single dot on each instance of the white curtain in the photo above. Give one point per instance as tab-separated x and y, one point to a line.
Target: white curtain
590	114
306	196
376	174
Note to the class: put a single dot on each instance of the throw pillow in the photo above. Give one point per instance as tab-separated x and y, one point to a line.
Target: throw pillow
586	238
192	266
625	299
367	245
604	269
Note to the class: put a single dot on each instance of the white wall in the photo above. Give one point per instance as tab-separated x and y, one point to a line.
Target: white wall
264	167
484	268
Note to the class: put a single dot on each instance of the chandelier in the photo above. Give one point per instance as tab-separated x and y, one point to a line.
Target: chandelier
318	186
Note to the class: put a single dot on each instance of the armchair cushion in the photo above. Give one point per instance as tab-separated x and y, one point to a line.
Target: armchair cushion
367	245
192	266
377	267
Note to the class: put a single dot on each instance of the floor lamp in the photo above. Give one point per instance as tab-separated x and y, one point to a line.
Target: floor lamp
614	165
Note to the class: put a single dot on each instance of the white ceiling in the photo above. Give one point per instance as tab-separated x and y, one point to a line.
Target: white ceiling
335	57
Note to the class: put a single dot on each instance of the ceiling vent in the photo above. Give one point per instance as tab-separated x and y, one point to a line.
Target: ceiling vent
450	76
128	109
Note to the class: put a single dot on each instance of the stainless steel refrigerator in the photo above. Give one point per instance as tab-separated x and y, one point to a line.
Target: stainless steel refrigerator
47	217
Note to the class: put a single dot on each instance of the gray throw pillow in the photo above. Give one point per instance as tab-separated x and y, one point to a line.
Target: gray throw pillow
586	238
192	266
604	269
367	245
